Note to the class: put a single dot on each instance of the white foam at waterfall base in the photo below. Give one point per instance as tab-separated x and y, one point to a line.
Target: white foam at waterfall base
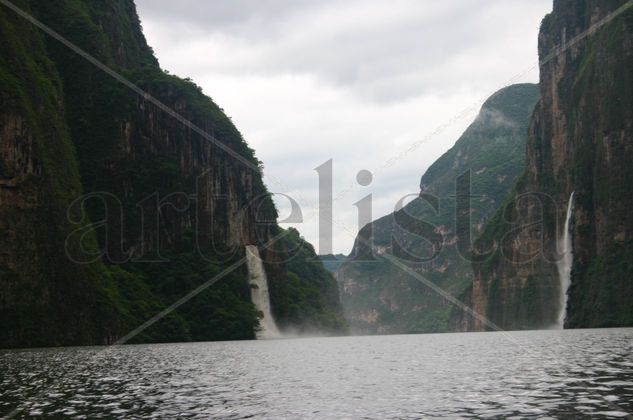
564	264
259	293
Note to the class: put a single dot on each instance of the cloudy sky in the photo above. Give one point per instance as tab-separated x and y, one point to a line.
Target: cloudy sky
386	86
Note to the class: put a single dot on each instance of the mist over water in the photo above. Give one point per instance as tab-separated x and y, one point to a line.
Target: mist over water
259	293
537	374
564	264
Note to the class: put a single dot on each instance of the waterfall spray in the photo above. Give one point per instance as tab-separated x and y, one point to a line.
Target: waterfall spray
259	293
565	263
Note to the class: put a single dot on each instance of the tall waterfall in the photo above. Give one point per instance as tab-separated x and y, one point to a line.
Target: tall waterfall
564	264
259	293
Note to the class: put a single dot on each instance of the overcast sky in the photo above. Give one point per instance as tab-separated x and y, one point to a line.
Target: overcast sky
356	81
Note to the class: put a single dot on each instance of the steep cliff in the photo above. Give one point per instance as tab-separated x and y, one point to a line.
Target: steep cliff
42	294
111	207
580	141
433	234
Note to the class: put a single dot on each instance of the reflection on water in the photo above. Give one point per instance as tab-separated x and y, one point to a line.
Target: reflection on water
539	374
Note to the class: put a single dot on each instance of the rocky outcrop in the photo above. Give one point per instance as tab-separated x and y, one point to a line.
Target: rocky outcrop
580	141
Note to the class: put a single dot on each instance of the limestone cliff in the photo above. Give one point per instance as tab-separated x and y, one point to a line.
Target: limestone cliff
112	208
580	141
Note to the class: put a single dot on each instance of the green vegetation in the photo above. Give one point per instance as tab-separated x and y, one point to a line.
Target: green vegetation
493	150
91	134
306	298
599	109
606	301
60	310
589	90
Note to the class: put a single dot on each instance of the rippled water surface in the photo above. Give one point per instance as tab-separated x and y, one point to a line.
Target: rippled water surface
538	374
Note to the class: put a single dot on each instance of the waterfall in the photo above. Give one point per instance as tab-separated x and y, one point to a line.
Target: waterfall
564	264
259	293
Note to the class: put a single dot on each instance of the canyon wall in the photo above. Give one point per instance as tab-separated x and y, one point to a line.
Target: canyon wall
113	208
580	141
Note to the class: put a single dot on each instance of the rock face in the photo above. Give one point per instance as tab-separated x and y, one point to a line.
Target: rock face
432	235
110	207
580	141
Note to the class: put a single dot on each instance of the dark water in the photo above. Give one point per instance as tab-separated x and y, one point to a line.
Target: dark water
536	374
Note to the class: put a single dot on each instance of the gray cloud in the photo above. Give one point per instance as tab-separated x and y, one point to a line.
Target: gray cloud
382	51
357	80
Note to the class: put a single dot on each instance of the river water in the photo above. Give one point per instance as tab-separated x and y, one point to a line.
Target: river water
532	374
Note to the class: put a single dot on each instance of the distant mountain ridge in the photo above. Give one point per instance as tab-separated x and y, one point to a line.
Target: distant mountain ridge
379	297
